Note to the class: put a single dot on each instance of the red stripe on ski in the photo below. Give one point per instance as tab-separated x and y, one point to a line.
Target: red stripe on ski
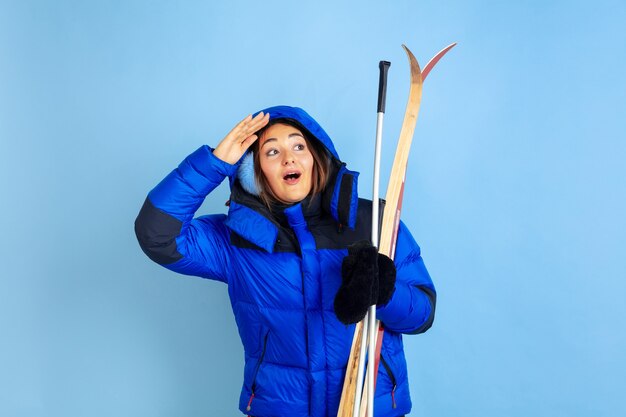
436	59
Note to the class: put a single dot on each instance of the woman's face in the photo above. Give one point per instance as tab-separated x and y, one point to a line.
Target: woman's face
286	162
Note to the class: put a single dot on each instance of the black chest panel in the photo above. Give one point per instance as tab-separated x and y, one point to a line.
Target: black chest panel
325	230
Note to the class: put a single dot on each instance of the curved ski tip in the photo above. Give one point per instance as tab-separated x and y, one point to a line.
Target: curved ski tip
429	66
415	66
447	48
444	50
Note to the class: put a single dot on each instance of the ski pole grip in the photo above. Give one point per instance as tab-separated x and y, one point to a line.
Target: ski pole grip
382	85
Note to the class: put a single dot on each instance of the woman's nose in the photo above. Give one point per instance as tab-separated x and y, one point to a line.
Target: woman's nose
288	158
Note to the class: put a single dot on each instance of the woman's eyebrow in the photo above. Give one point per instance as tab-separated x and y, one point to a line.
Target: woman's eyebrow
291	135
269	140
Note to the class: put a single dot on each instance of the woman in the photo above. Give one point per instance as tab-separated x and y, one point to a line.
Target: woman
292	254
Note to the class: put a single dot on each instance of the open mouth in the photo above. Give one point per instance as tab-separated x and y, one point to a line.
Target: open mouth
292	177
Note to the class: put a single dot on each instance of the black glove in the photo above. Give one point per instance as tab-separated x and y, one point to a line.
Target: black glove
368	278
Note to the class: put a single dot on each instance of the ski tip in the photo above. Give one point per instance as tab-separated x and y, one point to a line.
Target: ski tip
416	72
436	59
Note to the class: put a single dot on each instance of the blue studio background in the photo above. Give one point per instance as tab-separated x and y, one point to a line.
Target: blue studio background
515	192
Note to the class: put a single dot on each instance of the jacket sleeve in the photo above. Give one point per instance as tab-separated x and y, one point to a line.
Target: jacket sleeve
166	229
412	306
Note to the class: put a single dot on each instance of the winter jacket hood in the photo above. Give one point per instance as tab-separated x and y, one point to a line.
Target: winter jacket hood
340	199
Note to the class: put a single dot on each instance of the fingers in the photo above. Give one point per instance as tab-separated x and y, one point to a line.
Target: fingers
238	140
248	126
255	124
258	122
247	142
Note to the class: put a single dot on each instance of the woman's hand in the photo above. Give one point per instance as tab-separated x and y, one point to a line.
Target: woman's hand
238	140
367	278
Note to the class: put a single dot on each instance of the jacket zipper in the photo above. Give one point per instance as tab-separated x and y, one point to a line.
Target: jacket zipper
393	380
256	371
306	328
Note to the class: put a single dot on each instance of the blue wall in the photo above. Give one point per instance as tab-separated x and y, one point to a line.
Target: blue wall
515	192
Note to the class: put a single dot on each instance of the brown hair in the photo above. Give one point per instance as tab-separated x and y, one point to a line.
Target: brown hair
321	163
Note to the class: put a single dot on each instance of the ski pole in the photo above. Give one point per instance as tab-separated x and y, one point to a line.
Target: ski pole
373	324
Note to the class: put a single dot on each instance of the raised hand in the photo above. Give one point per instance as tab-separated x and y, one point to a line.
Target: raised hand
238	140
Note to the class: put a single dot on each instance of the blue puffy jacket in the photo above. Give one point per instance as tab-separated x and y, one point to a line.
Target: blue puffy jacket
283	269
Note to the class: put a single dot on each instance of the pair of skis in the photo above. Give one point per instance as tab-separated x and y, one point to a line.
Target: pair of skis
353	382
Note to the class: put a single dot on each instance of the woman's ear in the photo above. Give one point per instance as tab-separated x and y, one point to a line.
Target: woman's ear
245	174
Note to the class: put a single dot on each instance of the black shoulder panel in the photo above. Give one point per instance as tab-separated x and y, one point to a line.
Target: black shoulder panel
156	233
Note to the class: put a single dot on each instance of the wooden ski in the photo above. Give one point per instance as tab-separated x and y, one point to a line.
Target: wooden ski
391	217
348	393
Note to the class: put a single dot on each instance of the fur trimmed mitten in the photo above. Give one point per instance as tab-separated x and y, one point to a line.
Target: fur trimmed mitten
368	278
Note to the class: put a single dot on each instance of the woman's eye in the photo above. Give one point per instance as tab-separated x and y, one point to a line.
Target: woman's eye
300	147
271	152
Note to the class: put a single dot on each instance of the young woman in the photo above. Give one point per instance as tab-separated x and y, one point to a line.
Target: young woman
291	250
